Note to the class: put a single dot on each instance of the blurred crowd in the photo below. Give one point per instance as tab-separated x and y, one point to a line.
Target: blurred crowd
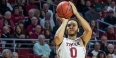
27	19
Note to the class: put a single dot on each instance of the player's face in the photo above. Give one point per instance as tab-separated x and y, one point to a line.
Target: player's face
72	27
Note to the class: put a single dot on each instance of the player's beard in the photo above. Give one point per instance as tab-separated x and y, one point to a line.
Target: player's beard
75	34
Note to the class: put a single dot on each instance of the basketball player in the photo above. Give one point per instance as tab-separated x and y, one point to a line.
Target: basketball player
72	47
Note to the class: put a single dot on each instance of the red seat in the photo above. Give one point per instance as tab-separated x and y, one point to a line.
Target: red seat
22	56
25	51
37	56
30	55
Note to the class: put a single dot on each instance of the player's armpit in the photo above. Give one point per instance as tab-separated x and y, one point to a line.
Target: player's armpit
86	37
57	40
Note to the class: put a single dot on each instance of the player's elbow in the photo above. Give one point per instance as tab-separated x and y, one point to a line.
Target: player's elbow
57	40
89	30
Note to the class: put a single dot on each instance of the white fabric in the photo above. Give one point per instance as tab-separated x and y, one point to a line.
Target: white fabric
94	53
70	47
9	6
114	9
114	56
51	13
42	22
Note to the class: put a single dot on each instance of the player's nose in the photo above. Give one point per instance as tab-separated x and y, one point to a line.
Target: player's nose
71	27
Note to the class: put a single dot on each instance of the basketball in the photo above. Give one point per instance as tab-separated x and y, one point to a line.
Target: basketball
64	10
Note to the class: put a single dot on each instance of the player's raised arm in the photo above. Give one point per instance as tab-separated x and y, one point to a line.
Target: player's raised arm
60	32
87	29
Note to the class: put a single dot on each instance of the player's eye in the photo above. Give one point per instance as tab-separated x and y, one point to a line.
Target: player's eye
69	25
73	25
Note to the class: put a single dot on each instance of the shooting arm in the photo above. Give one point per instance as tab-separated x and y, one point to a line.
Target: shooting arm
60	32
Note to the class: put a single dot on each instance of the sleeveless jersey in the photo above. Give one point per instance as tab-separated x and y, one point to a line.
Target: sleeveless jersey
71	49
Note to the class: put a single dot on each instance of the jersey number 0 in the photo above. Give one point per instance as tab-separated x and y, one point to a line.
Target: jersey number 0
73	52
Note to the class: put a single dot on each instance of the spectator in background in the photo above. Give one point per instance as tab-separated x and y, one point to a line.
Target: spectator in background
42	14
104	12
94	29
48	34
21	24
52	46
6	32
3	7
58	23
103	43
101	54
31	27
114	54
47	25
110	49
38	31
112	7
41	48
18	32
99	11
31	5
19	35
110	33
91	14
17	17
37	14
87	7
109	55
22	4
15	55
47	18
21	11
110	18
27	21
97	5
46	9
96	49
6	53
6	21
80	5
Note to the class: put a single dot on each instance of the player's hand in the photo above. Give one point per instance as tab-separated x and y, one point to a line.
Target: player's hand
73	8
62	19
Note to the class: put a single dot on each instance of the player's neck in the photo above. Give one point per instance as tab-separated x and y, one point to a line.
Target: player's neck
72	37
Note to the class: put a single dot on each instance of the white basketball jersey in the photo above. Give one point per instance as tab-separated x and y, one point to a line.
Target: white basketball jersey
71	49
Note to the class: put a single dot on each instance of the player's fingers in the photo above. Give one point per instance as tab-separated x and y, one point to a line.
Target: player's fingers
58	17
70	3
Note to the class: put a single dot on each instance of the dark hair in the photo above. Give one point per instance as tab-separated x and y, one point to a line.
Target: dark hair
1	2
95	43
46	34
8	20
66	25
52	39
16	31
41	14
101	52
15	9
95	27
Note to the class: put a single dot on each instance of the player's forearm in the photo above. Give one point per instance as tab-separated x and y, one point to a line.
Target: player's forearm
60	32
83	22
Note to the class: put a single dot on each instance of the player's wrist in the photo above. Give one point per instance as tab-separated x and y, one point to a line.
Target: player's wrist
64	20
76	13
